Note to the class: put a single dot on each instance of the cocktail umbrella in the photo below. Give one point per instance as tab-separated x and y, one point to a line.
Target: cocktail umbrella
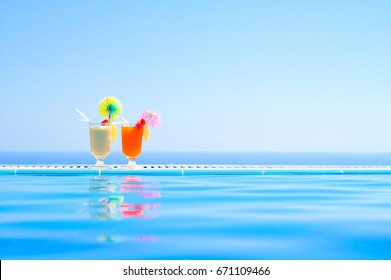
149	119
110	108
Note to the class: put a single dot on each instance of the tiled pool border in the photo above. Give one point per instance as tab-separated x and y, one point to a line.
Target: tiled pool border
191	169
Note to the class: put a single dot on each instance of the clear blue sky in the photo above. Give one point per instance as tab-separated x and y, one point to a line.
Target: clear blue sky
224	75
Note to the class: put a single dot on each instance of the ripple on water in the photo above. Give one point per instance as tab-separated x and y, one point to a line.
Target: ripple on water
196	217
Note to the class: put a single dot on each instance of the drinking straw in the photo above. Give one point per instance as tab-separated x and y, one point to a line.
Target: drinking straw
125	120
85	119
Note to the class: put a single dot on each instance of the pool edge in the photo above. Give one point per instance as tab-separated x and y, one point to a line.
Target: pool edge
188	169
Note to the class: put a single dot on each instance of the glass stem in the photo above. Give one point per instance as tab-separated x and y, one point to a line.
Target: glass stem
132	162
99	161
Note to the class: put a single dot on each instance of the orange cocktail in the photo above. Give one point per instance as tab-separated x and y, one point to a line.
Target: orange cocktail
131	142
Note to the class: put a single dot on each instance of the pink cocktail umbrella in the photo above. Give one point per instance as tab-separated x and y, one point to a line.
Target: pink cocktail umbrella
151	118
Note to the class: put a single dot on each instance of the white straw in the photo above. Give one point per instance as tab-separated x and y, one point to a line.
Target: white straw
81	114
125	120
82	120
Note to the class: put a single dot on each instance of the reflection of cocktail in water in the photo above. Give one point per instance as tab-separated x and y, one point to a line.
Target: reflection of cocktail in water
102	184
100	137
132	184
113	208
107	208
132	135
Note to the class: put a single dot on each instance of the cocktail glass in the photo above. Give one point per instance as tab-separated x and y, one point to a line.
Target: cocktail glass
100	137
131	143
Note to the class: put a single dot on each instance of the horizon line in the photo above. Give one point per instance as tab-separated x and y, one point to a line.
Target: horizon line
203	151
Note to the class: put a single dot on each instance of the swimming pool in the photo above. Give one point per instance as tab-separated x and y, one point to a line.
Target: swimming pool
195	212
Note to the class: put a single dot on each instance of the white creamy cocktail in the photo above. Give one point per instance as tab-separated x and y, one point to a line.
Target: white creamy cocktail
101	134
100	137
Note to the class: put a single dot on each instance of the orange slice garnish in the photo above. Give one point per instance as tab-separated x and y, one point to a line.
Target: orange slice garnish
146	132
113	132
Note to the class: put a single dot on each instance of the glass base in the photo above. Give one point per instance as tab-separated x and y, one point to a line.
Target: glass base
132	164
99	163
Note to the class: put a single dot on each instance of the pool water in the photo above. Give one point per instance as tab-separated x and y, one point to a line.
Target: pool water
196	217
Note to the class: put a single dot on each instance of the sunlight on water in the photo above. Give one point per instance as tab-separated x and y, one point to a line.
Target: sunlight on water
196	217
